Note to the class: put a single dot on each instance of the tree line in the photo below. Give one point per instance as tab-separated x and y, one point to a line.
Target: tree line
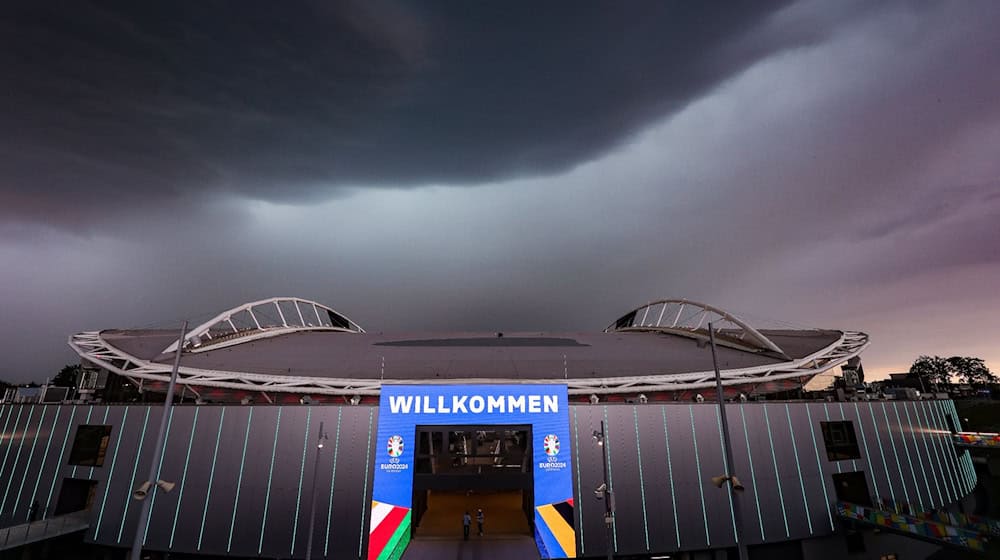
942	371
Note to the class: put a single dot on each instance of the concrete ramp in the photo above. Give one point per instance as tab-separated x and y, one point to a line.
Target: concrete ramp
514	547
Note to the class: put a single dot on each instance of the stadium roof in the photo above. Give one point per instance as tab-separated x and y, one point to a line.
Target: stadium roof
299	346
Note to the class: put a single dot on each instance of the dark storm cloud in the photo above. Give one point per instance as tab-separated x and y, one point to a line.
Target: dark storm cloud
134	104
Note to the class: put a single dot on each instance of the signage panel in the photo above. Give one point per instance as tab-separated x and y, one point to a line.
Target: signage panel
403	407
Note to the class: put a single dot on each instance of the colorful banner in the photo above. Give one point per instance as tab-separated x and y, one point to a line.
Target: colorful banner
403	407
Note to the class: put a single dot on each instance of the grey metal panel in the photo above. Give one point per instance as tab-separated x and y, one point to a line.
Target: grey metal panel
192	485
918	463
881	452
718	502
785	450
747	460
163	505
898	470
352	494
869	461
770	487
694	521
660	514
630	525
34	451
118	418
216	520
20	451
816	480
927	455
250	508
590	530
283	505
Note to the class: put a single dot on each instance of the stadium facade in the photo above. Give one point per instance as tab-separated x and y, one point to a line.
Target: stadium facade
411	419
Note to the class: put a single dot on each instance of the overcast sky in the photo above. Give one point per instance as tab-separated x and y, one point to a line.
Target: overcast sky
502	167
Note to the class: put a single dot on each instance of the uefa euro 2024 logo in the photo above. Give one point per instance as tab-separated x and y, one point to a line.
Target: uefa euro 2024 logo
395	447
551	445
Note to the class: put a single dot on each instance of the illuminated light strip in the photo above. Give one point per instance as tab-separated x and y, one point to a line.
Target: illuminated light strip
90	410
798	467
701	485
946	472
952	451
302	474
958	418
868	455
10	437
611	483
670	473
135	467
13	467
111	473
725	463
827	411
927	450
777	476
948	449
973	477
333	480
916	451
970	470
45	457
55	475
642	484
270	476
103	422
239	482
881	451
10	412
159	470
180	495
899	465
753	476
906	449
364	493
819	467
579	491
854	465
211	477
27	464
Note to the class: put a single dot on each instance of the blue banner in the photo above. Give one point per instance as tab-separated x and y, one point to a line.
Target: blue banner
544	407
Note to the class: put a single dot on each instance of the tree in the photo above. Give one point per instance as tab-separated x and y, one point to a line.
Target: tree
938	370
971	370
931	370
67	376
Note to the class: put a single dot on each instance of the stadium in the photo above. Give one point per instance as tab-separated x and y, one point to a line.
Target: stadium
303	435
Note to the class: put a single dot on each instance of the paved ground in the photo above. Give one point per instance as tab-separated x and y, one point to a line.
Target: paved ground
443	517
512	547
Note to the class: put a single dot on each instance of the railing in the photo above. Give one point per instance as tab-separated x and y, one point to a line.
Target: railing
26	533
910	525
977	439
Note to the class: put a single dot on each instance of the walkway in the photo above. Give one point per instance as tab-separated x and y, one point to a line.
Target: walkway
514	547
921	527
27	533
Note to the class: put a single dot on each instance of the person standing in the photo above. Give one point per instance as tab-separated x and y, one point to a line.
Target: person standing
466	522
479	520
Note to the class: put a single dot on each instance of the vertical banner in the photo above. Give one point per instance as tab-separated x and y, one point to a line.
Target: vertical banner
403	407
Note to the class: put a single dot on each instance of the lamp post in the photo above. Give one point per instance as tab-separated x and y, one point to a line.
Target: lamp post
152	480
320	440
734	485
603	492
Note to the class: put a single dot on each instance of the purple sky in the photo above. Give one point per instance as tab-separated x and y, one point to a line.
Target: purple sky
828	164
